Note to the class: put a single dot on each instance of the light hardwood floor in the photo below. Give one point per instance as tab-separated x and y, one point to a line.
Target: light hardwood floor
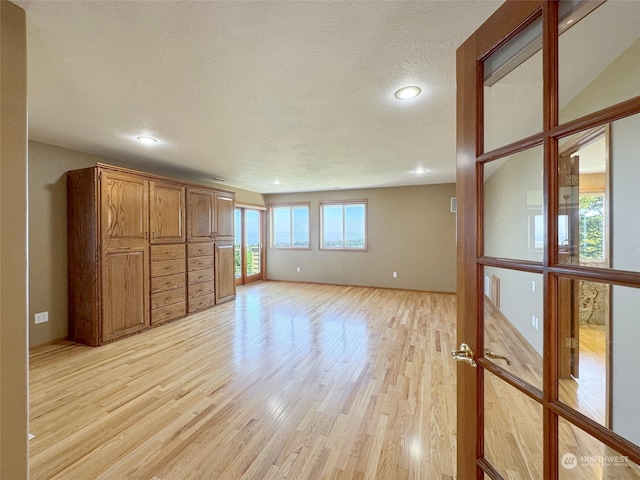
290	381
513	421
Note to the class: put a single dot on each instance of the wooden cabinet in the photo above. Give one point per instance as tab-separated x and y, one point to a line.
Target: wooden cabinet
141	251
210	215
200	276
225	272
125	264
167	212
125	297
108	255
224	217
168	283
200	215
124	205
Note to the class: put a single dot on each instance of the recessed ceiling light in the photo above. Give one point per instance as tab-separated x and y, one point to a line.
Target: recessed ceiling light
147	140
407	92
420	171
276	182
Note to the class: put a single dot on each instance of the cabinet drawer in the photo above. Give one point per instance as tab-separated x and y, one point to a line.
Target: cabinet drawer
169	312
199	249
168	282
167	252
201	276
167	267
200	289
168	297
199	263
204	301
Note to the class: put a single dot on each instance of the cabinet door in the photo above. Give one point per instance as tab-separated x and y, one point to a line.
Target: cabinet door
224	273
125	207
224	216
200	215
125	292
167	212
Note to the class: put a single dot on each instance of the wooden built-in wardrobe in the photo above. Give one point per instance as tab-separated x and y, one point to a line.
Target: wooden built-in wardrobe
143	250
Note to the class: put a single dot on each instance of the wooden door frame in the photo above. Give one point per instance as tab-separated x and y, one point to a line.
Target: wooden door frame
507	21
568	312
469	144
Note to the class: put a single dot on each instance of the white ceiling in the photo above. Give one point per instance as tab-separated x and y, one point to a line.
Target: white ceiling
253	91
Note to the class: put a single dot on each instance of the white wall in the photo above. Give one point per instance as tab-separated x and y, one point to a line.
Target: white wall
513	193
625	302
410	230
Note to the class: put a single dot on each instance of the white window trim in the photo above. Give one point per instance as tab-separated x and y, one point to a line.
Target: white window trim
291	206
344	203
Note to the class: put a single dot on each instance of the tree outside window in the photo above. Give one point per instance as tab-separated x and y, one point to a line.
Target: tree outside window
592	226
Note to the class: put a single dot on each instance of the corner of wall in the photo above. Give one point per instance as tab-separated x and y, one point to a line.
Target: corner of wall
13	243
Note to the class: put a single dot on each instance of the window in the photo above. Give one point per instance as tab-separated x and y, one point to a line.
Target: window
290	226
343	225
592	226
536	231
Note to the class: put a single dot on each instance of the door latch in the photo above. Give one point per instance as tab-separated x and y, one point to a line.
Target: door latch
465	354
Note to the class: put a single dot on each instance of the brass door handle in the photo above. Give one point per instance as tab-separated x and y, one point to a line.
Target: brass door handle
465	354
490	354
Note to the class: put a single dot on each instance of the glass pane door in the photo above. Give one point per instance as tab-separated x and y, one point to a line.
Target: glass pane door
248	245
237	244
253	242
549	277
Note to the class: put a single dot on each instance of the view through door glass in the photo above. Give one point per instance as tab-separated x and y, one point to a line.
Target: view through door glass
253	242
237	244
551	319
248	245
513	309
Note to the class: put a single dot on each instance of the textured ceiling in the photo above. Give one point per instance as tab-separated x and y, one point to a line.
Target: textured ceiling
253	92
299	92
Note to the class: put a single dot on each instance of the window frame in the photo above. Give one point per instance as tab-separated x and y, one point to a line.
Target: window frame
290	206
344	204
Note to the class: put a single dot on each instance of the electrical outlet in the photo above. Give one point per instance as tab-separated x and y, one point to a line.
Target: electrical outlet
41	317
395	274
298	269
